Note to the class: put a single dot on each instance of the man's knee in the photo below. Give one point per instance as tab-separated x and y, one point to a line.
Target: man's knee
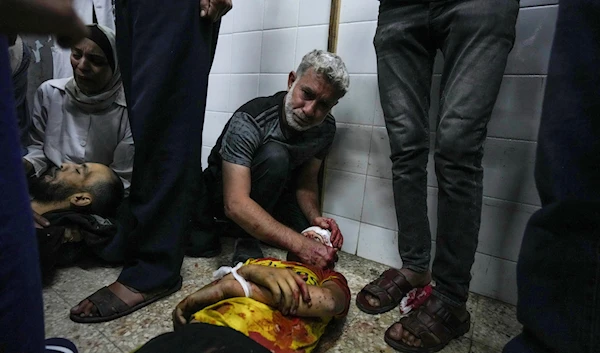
272	160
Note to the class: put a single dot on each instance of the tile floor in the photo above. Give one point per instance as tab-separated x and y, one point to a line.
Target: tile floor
494	323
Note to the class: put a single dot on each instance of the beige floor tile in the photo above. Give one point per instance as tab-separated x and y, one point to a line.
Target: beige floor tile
477	347
87	338
496	323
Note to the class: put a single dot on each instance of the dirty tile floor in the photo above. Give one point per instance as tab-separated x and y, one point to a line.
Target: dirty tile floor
493	322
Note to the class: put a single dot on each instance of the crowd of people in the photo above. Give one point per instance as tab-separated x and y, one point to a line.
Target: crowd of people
105	163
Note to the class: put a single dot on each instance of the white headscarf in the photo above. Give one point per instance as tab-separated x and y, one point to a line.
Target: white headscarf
110	93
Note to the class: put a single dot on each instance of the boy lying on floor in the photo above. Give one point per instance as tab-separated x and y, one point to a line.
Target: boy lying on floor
284	306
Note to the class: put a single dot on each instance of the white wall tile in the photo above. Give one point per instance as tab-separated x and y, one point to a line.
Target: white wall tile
380	164
378	119
508	170
245	52
432	204
343	193
355	47
314	12
359	10
222	62
217	98
379	244
378	206
518	108
204	157
269	84
281	14
278	51
502	227
243	89
214	122
350	229
227	23
248	15
309	38
350	149
358	105
535	32
495	278
526	3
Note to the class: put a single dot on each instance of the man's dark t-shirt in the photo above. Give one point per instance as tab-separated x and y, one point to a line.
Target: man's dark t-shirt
258	122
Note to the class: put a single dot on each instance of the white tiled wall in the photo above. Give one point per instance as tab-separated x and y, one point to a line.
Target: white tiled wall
262	40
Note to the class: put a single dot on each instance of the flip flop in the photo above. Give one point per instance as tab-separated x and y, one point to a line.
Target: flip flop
111	307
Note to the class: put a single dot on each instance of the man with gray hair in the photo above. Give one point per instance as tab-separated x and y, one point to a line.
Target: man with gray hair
261	183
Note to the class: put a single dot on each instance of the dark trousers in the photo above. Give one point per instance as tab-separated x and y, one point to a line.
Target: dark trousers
200	337
558	272
475	37
21	309
165	53
273	187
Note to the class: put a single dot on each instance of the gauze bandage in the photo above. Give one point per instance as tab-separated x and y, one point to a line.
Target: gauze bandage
323	235
225	270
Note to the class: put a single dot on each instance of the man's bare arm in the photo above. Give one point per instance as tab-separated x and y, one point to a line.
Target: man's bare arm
277	287
307	192
249	215
308	200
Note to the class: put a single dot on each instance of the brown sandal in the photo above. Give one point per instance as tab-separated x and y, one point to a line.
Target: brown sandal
111	307
435	323
390	287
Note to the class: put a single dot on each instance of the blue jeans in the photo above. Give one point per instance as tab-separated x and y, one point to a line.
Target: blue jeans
558	273
21	309
475	37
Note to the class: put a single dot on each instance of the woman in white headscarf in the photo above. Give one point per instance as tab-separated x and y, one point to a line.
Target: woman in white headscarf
83	118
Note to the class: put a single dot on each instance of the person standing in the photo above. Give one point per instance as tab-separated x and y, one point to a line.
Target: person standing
475	37
21	308
165	49
558	271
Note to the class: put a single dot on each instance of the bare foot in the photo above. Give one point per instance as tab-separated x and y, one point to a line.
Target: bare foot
416	279
397	333
86	308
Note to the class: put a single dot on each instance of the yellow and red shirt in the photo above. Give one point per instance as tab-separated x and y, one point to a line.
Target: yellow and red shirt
266	325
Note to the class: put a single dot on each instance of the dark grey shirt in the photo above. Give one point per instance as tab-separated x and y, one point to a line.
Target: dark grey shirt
258	122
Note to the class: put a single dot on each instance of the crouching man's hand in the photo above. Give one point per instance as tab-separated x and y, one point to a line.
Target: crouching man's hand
337	239
315	253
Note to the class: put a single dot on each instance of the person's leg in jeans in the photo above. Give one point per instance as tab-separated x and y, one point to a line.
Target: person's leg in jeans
166	51
405	55
21	308
558	271
475	37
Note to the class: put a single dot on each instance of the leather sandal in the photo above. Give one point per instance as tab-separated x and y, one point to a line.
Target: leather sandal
389	288
435	323
111	307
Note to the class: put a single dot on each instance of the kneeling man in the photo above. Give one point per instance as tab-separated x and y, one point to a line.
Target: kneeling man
262	177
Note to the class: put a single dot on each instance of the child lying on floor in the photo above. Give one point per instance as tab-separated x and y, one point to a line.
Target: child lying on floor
284	306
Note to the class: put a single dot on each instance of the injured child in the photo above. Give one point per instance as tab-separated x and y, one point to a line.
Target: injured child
264	305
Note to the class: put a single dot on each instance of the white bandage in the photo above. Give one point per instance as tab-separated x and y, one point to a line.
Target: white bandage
225	270
324	235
